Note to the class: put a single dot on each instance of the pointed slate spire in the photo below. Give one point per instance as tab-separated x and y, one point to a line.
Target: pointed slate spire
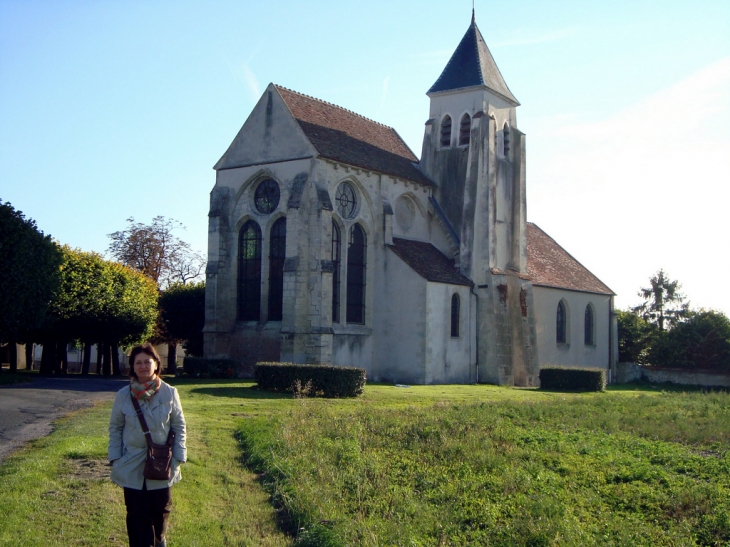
472	65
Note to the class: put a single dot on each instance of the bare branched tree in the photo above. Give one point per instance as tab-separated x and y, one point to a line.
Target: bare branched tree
155	250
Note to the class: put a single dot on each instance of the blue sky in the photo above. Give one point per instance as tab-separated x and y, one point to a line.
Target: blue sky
111	109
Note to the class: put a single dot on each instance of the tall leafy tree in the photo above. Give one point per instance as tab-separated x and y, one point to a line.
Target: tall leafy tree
155	250
635	337
182	316
97	301
701	341
663	305
28	276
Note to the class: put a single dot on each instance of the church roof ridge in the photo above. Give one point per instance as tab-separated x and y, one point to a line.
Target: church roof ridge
335	105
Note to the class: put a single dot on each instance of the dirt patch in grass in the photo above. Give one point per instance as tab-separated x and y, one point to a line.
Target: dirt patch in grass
90	469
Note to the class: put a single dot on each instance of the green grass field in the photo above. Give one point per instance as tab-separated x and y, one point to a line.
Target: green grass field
419	466
479	465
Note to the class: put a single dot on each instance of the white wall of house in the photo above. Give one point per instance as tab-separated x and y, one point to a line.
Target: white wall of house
574	352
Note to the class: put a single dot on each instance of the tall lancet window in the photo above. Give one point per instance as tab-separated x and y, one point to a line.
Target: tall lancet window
277	254
249	272
336	253
446	132
356	252
464	130
589	338
505	139
455	305
560	324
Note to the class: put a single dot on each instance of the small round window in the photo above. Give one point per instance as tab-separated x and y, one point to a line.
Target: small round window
267	196
346	200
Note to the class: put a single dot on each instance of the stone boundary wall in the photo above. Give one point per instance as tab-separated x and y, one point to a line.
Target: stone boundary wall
631	372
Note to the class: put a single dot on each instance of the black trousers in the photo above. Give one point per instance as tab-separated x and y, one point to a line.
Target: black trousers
147	512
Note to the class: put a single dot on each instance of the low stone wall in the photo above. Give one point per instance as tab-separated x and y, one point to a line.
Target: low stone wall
631	372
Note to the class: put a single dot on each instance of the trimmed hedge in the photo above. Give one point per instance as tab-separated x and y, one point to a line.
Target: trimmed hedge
327	380
573	379
198	367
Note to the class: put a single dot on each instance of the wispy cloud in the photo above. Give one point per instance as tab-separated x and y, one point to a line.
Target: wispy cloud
528	37
384	95
251	82
645	188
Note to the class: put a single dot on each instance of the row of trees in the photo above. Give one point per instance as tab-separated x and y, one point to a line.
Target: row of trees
54	295
665	331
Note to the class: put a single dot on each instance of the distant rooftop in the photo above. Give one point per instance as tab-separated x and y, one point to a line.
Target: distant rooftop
472	65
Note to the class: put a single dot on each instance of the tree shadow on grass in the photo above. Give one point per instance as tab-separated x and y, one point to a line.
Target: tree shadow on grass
248	392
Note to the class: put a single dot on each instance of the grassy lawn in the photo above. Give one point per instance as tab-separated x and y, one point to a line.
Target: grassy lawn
480	465
419	466
56	491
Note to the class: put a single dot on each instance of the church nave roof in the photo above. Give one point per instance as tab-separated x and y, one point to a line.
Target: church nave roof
342	135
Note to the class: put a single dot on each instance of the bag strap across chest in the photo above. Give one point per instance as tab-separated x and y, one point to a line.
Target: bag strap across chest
143	423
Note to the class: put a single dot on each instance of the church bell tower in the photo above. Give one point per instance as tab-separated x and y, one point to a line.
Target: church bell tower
474	152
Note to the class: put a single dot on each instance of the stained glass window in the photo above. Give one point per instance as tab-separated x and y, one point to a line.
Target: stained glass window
277	255
249	272
356	252
266	197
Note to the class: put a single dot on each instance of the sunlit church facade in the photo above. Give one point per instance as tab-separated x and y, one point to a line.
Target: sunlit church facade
331	242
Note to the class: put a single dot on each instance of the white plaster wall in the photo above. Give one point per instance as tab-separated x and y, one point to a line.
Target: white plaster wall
574	352
399	327
447	359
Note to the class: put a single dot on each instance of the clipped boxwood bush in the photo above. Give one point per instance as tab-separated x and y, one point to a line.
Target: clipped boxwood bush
198	367
326	380
573	379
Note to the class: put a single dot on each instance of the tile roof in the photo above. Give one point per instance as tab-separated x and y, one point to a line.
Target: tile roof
549	265
428	262
472	65
341	135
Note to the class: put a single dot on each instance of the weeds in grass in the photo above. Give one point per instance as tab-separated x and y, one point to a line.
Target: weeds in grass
599	469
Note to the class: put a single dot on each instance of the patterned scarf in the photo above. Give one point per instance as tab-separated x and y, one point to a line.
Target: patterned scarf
143	392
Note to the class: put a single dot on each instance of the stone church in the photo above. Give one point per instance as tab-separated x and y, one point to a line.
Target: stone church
331	242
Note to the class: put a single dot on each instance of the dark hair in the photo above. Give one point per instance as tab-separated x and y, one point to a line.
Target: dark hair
149	350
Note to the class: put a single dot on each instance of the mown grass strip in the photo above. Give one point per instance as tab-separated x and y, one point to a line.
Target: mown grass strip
56	491
490	466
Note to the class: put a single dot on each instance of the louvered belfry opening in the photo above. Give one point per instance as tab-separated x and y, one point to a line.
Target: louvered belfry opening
446	132
464	130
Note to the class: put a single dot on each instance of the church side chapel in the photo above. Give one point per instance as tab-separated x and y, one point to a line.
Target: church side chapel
331	242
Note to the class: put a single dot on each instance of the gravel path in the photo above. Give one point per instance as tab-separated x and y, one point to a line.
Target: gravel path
27	411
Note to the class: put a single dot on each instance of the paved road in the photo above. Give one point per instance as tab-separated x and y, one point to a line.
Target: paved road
28	410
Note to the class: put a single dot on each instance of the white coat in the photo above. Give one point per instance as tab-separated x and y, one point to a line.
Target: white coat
127	443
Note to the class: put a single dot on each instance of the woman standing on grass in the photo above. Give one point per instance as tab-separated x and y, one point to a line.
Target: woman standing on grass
148	501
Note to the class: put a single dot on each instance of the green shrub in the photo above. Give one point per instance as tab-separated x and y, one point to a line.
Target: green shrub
326	380
197	367
573	379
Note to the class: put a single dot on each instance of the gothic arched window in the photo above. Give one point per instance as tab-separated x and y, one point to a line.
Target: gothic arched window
505	139
446	132
588	325
455	305
249	272
356	252
336	253
277	255
464	130
561	324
